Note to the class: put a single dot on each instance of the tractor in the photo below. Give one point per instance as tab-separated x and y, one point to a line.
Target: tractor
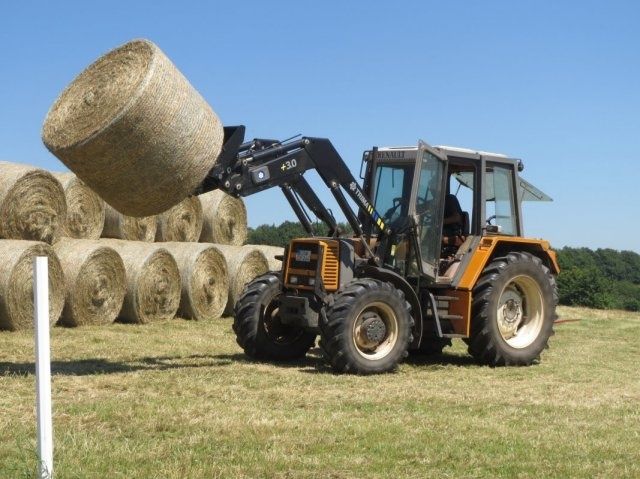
436	252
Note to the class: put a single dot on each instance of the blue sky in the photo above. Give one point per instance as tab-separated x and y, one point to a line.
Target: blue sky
554	83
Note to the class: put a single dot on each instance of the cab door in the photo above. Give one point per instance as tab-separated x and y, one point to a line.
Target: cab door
428	206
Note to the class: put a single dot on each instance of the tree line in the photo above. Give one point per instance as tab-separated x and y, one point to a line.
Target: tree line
601	278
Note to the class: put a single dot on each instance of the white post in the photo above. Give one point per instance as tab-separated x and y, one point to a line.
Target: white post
43	365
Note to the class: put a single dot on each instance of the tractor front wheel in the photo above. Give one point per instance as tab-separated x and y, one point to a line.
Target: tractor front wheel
513	311
259	330
367	328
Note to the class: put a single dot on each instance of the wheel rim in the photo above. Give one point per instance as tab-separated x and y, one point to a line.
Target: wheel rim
520	312
279	333
375	330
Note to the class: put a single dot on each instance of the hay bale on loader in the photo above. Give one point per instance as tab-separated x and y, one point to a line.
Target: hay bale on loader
183	222
205	280
119	226
133	128
244	264
96	282
16	283
225	219
32	203
270	253
85	209
153	281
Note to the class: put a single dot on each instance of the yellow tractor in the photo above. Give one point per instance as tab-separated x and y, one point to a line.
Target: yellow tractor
437	252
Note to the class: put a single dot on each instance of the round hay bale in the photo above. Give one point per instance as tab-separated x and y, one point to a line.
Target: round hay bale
32	203
16	283
205	280
225	219
119	226
95	279
153	281
183	222
85	209
244	264
133	128
270	253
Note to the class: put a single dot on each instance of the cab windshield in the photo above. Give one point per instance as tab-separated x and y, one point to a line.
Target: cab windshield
393	190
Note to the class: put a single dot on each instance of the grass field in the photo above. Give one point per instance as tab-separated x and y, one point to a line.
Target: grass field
179	400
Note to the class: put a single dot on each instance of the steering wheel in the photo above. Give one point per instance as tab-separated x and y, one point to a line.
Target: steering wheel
490	219
397	202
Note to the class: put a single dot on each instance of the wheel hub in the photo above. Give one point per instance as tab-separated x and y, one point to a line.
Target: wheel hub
510	313
374	328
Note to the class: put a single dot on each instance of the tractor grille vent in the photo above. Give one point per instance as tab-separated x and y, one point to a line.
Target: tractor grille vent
331	266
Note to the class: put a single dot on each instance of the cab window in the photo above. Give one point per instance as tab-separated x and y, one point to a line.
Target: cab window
392	190
500	200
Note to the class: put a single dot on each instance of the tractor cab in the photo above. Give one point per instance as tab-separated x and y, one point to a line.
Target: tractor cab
440	202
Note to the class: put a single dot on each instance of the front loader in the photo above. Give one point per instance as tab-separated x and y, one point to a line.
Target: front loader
418	270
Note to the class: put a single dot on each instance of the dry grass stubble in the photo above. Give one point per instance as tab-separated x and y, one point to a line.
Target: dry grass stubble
209	412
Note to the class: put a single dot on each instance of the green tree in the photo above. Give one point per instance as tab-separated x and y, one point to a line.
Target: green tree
283	233
584	287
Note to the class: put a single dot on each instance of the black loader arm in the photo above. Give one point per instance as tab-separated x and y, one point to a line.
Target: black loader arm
245	168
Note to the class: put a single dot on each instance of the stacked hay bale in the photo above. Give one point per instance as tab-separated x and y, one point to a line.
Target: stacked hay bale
95	278
225	219
205	279
183	222
119	226
136	133
32	203
16	283
85	209
270	253
244	264
153	281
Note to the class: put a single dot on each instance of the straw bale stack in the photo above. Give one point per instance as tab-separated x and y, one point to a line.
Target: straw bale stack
225	219
205	280
16	283
133	128
96	282
270	253
153	281
119	226
183	222
85	209
244	264
32	203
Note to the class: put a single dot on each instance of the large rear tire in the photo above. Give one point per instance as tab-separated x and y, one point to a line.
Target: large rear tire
259	331
367	328
513	311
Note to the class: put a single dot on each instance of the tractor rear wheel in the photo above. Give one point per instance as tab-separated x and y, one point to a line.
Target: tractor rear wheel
367	328
257	324
513	311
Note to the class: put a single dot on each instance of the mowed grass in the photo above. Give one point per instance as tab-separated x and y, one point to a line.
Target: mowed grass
179	400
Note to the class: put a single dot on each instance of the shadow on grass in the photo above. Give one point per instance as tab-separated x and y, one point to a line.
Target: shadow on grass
87	367
443	359
314	363
311	363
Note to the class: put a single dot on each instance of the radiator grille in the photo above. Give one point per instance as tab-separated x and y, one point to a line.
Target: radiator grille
321	256
331	266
